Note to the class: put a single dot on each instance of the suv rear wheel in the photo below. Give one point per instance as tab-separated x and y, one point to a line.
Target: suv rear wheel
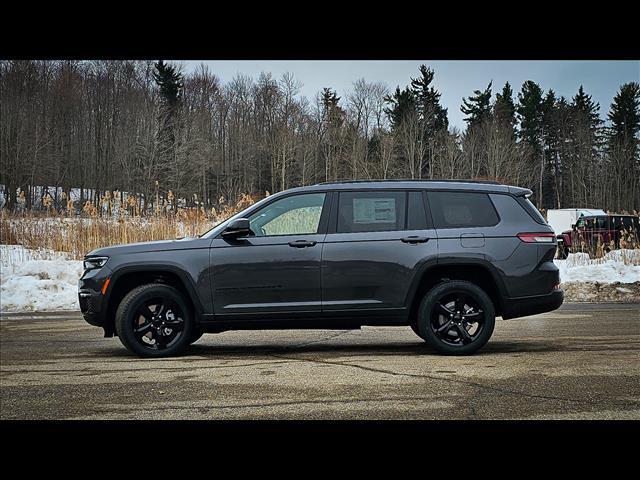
195	335
154	320
456	318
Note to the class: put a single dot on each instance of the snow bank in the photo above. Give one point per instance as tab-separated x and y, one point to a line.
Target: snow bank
617	266
37	281
33	280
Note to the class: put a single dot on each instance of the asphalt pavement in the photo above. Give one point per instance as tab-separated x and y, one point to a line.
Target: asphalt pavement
579	362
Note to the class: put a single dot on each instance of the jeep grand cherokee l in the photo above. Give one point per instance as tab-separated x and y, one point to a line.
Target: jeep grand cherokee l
444	257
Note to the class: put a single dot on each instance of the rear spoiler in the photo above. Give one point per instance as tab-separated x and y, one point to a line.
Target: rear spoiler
520	192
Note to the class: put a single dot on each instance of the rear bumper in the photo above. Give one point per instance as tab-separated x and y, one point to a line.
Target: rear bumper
525	306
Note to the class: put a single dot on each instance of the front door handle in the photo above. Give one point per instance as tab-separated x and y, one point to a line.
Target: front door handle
302	243
414	239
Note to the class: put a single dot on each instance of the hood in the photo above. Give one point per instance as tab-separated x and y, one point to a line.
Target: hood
156	246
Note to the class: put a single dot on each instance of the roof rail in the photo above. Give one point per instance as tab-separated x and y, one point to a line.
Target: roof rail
339	182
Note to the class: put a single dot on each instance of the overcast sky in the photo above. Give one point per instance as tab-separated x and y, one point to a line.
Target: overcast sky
453	78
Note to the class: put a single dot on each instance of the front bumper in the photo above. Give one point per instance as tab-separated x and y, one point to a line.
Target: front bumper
91	307
92	301
525	306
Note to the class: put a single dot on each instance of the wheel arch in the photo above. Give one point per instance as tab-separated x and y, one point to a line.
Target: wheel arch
126	278
477	271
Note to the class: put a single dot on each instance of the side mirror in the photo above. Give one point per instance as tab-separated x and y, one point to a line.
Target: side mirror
238	228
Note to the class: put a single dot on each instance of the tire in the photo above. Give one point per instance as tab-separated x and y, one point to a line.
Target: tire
440	324
158	313
195	336
416	330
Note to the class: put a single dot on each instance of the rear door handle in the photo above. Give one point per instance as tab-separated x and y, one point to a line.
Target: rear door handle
414	239
302	243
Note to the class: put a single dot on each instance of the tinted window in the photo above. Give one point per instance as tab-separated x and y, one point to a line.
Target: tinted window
295	215
532	210
371	211
462	209
416	214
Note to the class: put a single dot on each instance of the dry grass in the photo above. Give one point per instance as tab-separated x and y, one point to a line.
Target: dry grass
121	222
78	235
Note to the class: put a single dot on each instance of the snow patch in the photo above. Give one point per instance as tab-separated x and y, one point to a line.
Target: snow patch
37	280
621	266
43	280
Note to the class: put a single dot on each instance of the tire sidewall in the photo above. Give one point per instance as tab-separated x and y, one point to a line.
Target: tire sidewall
426	308
127	308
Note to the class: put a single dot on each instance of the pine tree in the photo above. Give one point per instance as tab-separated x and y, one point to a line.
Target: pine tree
504	110
477	107
427	100
402	105
622	147
625	117
169	81
332	111
530	114
530	111
550	149
583	104
333	117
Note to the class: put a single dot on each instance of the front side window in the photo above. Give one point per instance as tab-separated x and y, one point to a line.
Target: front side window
295	215
371	211
462	210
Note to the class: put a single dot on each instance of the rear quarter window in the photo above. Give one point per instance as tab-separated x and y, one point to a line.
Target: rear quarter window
462	209
531	209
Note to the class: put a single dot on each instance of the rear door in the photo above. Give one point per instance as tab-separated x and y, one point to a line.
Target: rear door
376	243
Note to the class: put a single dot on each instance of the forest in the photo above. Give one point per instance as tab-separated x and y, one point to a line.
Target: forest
162	135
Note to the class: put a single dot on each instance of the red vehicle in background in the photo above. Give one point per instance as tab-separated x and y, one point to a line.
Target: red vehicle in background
600	231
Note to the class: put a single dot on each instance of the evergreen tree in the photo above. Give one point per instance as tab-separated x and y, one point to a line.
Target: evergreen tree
550	149
427	100
622	149
586	125
332	111
530	112
477	107
402	105
169	81
504	110
333	118
625	117
583	104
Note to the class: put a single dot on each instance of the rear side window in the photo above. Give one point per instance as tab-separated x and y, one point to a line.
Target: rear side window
462	209
371	211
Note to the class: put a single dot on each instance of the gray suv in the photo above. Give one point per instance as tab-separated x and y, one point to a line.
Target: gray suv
444	257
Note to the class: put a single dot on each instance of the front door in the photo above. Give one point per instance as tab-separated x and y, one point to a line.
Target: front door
277	270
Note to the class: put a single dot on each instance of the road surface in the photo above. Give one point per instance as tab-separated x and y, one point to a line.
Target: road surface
580	362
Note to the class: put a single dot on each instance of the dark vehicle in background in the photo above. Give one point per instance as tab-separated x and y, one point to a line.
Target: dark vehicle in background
606	232
444	257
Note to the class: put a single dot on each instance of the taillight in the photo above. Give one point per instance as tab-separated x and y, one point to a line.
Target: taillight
537	237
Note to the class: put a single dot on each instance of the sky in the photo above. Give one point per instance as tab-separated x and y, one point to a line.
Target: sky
454	79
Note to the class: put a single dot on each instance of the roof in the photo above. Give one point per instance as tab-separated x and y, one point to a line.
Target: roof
472	185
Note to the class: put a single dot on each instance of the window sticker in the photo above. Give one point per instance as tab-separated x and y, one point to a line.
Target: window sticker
374	210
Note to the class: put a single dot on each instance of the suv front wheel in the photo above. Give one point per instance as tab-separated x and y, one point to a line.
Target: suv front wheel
154	320
456	318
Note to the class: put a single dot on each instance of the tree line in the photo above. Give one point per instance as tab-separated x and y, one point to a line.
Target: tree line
151	130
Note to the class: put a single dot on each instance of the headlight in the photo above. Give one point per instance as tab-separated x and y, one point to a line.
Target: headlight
91	263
